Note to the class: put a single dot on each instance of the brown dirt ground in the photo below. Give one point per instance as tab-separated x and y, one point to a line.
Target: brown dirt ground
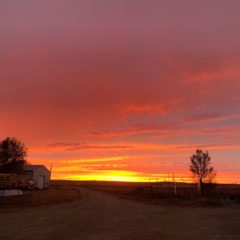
99	215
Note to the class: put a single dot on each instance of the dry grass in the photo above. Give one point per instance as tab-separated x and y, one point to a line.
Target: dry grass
53	195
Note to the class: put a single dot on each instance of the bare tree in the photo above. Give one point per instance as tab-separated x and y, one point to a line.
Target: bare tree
200	167
12	155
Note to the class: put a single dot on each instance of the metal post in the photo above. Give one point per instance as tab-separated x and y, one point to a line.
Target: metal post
199	188
175	188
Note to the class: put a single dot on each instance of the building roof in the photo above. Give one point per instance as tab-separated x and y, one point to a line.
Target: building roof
33	167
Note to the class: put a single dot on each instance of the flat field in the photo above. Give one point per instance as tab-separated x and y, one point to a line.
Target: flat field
68	211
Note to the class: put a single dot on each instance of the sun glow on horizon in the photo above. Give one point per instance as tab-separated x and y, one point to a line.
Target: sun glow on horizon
112	175
125	168
121	176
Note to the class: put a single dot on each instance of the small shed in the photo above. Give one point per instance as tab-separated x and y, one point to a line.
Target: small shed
39	173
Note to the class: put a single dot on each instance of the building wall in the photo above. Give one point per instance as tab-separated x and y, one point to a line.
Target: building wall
42	172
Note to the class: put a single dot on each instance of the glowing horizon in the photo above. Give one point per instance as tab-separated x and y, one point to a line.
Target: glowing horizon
122	89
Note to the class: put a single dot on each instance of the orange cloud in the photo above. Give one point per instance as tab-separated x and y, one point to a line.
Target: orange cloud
101	94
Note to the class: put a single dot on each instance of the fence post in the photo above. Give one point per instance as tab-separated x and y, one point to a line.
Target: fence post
199	188
175	188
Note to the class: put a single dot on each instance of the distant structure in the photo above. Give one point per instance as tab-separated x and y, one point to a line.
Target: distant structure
39	174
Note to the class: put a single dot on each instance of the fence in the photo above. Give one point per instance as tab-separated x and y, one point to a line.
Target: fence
13	192
168	189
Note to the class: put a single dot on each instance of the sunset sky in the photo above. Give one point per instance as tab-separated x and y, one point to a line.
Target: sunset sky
122	89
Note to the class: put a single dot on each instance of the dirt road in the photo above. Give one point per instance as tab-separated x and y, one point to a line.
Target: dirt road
102	216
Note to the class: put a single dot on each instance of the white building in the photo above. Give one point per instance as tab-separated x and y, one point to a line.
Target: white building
39	173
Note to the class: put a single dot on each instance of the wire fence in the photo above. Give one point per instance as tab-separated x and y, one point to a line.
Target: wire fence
13	193
168	189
